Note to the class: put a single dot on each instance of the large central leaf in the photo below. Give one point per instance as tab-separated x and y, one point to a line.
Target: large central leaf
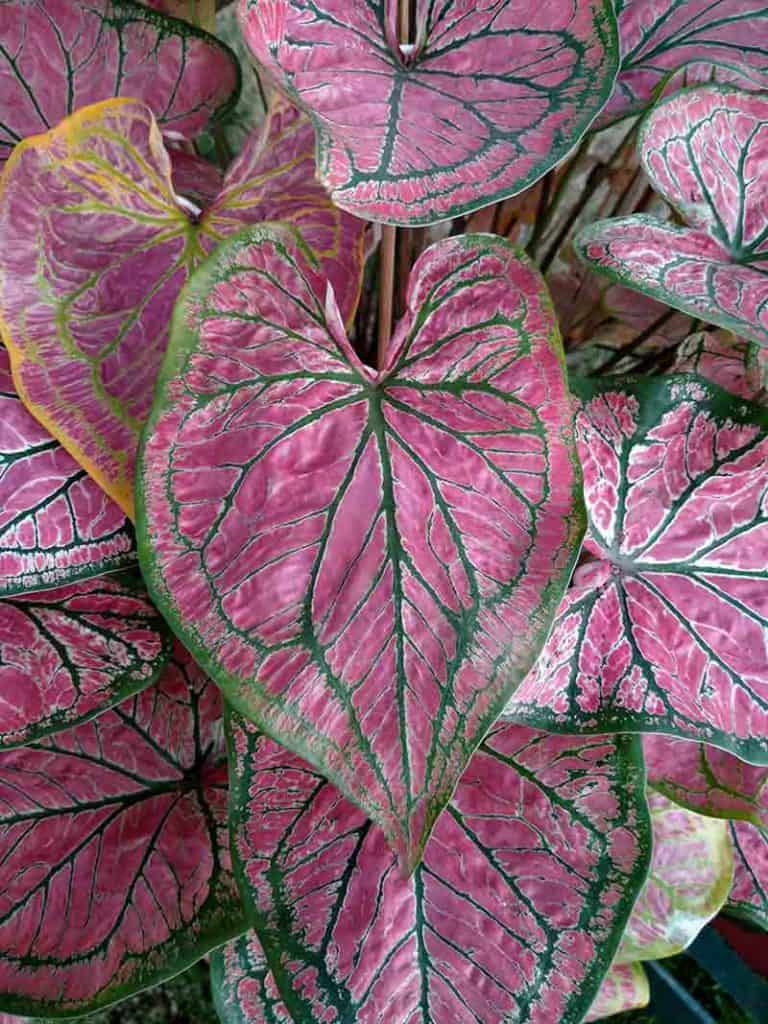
114	857
97	246
665	629
59	55
488	98
368	565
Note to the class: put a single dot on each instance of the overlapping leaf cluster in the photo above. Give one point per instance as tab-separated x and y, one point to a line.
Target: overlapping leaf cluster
435	691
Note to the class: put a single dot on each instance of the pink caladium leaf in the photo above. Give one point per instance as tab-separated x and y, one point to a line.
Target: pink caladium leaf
749	895
735	364
367	564
704	150
96	195
57	526
514	914
115	870
59	55
689	881
484	102
725	38
707	780
624	988
68	653
664	629
243	986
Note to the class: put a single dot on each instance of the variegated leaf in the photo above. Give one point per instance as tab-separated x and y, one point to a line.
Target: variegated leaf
727	39
624	988
59	55
739	366
115	869
244	990
707	780
487	99
367	564
749	895
705	150
514	914
95	196
689	881
68	653
664	629
56	525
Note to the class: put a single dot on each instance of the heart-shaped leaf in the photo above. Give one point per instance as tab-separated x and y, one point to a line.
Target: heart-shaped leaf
59	55
86	344
689	881
704	150
487	99
739	366
66	654
368	565
624	988
57	526
664	629
749	895
707	780
725	38
114	859
514	914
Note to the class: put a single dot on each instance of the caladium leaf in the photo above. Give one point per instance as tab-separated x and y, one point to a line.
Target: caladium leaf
197	12
243	986
86	345
56	524
749	895
624	988
115	868
478	108
689	881
735	364
514	914
707	780
704	150
664	629
367	564
194	179
68	653
59	55
727	38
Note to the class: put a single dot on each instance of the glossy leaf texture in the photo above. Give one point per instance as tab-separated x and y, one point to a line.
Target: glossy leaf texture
664	629
705	151
59	55
624	988
707	780
513	915
115	870
689	881
749	895
56	524
727	39
486	100
97	247
737	365
67	654
367	565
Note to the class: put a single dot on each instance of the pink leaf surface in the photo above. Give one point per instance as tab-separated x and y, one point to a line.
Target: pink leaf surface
513	915
68	653
707	780
749	895
97	248
115	868
727	38
739	366
488	99
705	151
664	630
624	988
243	987
368	565
689	881
56	524
59	55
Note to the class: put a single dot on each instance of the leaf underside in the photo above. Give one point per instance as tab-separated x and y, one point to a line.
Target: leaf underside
624	988
749	895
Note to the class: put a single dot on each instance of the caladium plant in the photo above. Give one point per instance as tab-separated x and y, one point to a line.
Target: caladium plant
86	345
367	563
702	149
